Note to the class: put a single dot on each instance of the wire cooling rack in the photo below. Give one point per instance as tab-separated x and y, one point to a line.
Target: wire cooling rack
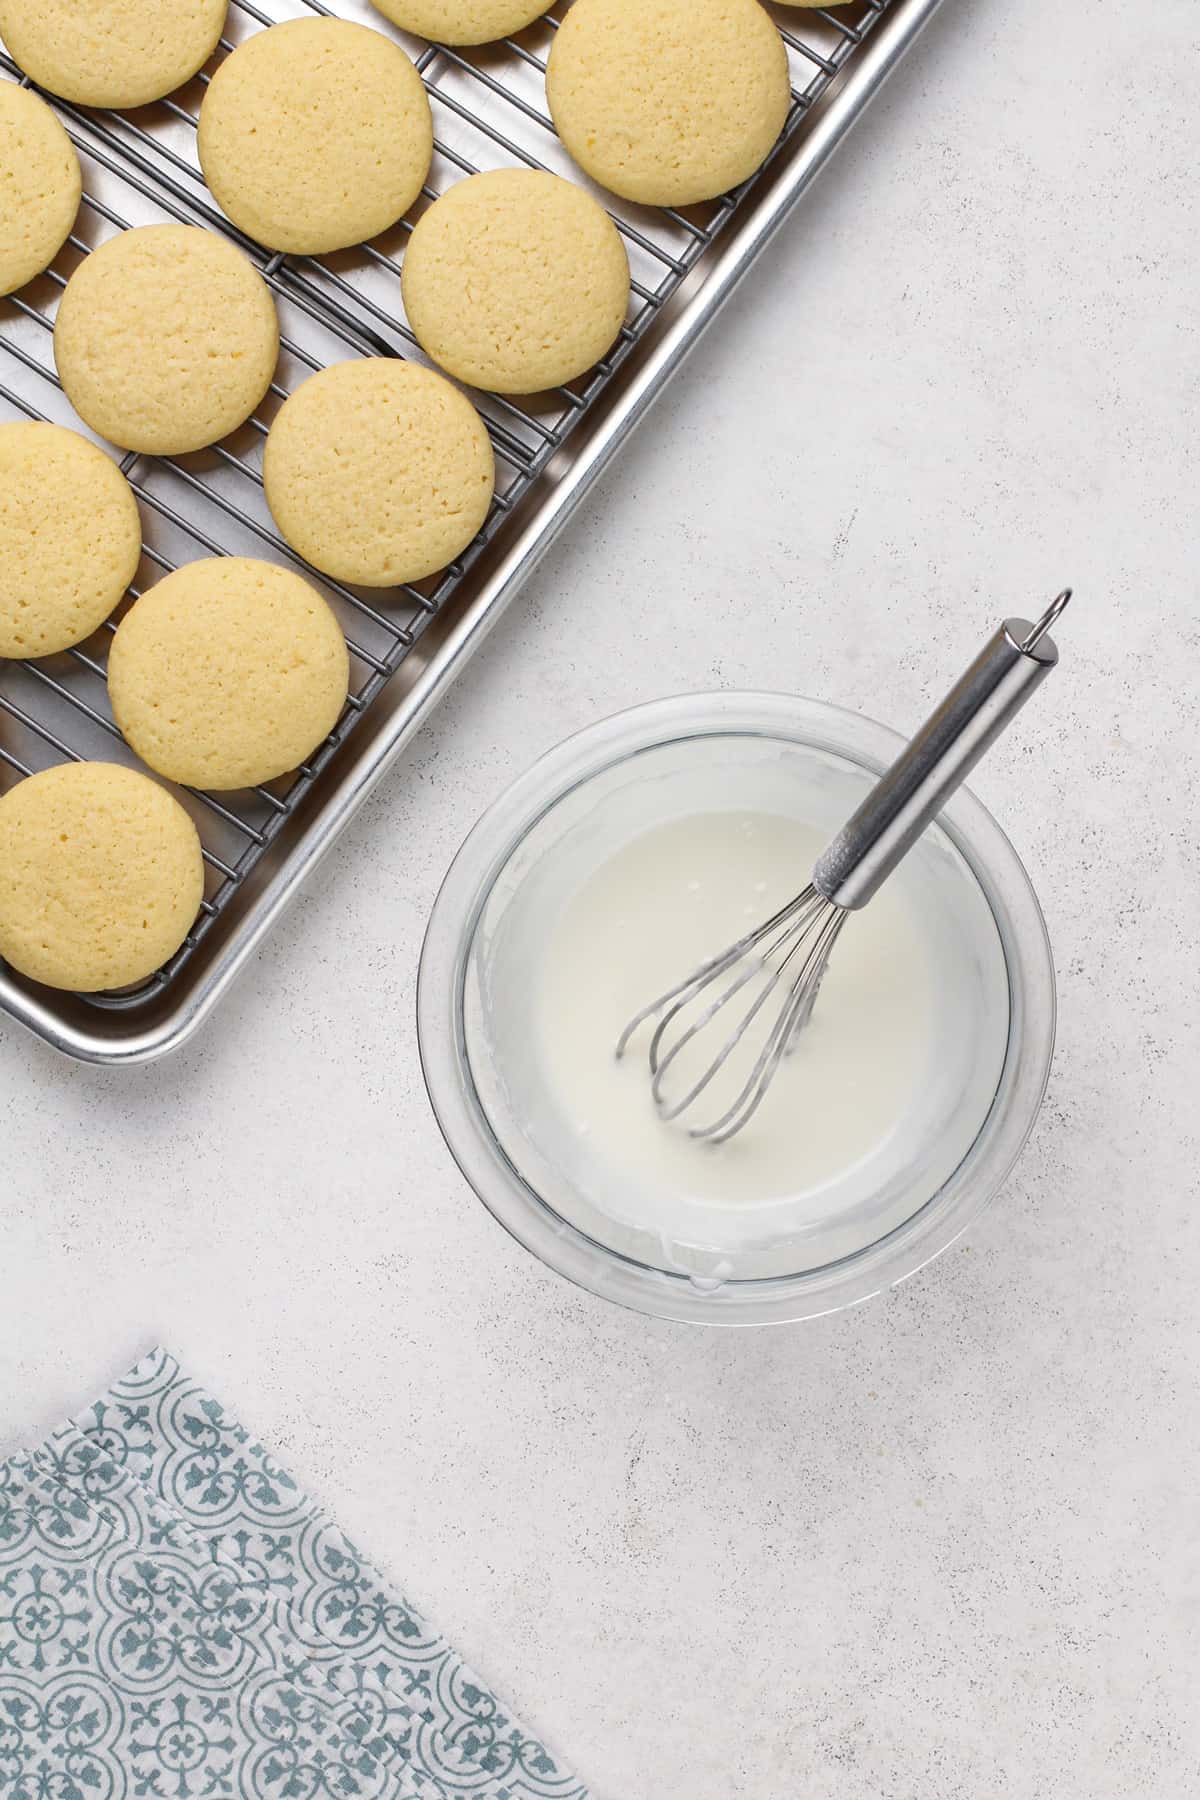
489	111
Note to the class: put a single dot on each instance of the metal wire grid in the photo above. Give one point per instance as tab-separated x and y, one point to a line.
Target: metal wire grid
489	112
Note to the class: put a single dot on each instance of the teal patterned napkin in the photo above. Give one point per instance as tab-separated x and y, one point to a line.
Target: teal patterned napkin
178	1618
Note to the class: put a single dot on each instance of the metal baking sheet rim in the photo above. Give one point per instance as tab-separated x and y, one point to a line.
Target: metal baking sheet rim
78	1030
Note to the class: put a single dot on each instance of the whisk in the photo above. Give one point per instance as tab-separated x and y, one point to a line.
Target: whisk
787	955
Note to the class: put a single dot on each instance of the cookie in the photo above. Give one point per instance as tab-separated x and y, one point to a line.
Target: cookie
462	21
548	281
315	135
378	471
668	102
40	186
111	52
227	673
101	876
166	339
70	538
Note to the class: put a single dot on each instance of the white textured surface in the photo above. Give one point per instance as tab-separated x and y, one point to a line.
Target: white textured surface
944	1546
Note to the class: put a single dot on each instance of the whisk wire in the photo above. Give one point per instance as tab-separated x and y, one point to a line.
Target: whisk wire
708	972
805	929
794	922
792	1019
660	1065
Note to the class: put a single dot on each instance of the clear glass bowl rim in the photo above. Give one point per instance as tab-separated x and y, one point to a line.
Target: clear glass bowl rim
570	1252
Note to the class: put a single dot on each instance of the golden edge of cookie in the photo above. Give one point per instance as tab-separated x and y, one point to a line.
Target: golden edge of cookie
488	380
416	18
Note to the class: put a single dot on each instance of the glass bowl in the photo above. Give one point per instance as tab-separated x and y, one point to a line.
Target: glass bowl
481	1101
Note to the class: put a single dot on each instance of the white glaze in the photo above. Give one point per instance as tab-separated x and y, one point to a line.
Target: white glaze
650	870
671	900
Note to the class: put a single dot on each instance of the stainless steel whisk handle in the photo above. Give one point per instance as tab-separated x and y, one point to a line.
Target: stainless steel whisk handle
1013	662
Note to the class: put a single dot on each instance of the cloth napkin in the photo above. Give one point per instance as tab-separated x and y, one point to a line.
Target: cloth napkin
177	1618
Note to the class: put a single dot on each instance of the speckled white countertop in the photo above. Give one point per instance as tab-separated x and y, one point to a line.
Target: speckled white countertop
944	1546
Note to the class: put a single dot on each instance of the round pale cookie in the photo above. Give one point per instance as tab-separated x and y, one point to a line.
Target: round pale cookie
315	135
111	52
40	186
547	287
228	673
101	876
668	102
463	21
70	538
166	339
378	471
